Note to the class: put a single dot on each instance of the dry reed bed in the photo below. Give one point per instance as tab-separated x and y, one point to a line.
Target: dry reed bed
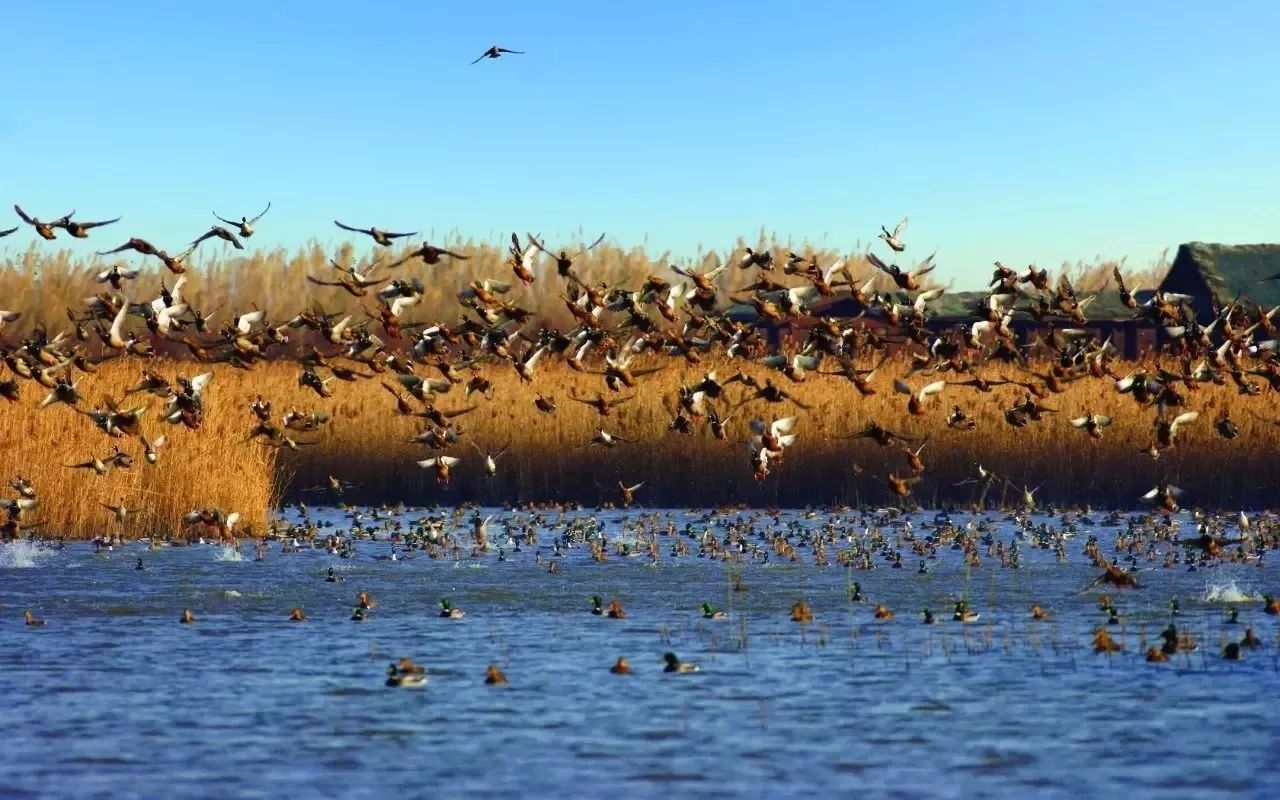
44	283
195	468
366	443
548	459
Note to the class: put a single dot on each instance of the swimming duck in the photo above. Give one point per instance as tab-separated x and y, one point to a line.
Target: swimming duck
927	616
406	666
31	619
855	593
187	617
1270	604
674	664
1250	639
1175	642
359	614
363	600
494	676
1156	656
882	612
800	612
620	667
448	611
1233	616
1115	577
963	613
597	606
1232	652
297	615
1039	613
709	612
139	566
1113	615
616	611
396	678
1103	643
332	576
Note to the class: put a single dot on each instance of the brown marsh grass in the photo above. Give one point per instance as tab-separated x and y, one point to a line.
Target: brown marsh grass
195	468
44	283
366	443
548	460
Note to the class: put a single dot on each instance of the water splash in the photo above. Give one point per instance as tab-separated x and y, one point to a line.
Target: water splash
231	594
227	553
1227	592
22	554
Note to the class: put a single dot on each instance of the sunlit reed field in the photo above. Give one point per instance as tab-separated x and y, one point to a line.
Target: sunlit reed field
366	443
195	469
44	282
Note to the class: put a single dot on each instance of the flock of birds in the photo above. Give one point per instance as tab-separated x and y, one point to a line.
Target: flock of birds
864	540
678	319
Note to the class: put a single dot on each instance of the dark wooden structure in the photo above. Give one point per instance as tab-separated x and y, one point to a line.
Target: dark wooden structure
1216	274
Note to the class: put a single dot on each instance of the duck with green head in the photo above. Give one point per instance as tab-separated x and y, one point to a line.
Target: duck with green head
709	612
674	664
597	605
408	680
1113	614
963	613
927	615
448	611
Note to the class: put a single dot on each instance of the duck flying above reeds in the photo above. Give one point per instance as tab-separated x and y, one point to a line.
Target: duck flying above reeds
80	230
245	226
893	240
45	230
564	262
496	52
429	253
219	232
908	281
173	263
379	236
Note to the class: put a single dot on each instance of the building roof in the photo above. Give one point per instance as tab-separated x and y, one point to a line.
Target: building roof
1229	271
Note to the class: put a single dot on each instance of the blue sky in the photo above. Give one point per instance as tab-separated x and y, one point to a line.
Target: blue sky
1024	132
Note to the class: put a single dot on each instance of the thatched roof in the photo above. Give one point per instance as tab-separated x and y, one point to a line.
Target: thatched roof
1227	271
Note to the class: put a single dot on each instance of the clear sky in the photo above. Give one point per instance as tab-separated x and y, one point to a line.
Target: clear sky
1019	131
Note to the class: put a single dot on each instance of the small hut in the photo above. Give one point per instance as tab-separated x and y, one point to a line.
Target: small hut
1216	274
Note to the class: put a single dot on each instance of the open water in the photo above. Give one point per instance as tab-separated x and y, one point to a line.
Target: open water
114	698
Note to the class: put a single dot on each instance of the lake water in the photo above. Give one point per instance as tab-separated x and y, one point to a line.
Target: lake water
114	698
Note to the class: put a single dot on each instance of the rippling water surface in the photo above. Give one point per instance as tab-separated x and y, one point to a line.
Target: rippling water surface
114	698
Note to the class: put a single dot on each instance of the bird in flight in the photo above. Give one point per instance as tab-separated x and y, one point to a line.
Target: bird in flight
496	52
245	225
377	234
